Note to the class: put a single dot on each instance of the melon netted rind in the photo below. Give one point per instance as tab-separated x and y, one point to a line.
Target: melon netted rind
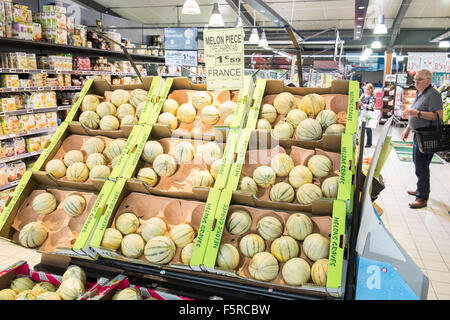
112	238
132	245
263	266
148	175
74	205
44	203
186	113
227	108
73	156
283	130
71	289
100	171
43	287
309	129
319	272
168	119
127	223
164	165
251	244
238	222
282	192
119	97
284	248
326	118
227	257
316	246
153	227
137	96
282	164
76	272
296	272
312	104
114	148
295	116
125	110
160	250
127	294
94	145
170	105
56	167
268	112
284	102
105	109
201	99
21	284
78	172
89	103
308	193
269	228
186	253
152	149
183	152
129	120
48	296
210	115
7	294
330	187
210	152
299	175
335	129
182	234
26	295
90	119
263	124
215	167
264	176
32	235
320	165
95	159
109	122
202	179
248	185
299	225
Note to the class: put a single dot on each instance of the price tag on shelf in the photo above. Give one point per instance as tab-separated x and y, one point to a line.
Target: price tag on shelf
12	70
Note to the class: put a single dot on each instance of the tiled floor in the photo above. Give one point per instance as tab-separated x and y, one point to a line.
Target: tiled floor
423	233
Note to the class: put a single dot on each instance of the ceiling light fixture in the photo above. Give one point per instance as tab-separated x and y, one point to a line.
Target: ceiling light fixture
376	44
190	7
361	7
380	28
444	44
216	19
254	37
239	19
263	41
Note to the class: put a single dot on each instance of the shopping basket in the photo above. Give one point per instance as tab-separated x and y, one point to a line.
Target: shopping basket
434	138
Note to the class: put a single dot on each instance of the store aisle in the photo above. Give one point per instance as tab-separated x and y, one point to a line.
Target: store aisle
423	233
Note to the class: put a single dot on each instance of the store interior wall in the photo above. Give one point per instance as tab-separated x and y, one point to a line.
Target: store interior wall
371	76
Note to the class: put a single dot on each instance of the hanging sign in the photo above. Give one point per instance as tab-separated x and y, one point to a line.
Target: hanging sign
181	58
180	39
224	58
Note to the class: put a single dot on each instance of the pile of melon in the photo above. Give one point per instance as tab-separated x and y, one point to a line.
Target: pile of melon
274	248
152	239
306	120
160	164
122	109
199	106
95	162
23	288
298	182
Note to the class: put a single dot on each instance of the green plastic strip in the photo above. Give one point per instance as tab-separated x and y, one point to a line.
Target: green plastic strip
227	159
150	101
241	103
201	243
336	254
236	167
351	125
135	155
345	176
153	117
76	106
258	94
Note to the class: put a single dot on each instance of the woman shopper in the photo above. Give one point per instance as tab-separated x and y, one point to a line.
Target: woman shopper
421	114
367	102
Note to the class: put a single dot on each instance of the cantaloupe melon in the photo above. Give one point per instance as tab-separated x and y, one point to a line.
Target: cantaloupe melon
228	120
296	271
21	284
295	116
186	253
238	222
319	272
89	103
186	113
330	187
42	287
282	164
210	152
127	294
48	296
170	105
263	266
183	152
105	109
119	97
269	228
139	109
7	294
284	102
114	148
309	129
248	185
251	244
56	167
160	250
109	122
137	96
78	172
215	167
71	289
112	238
308	192
95	159
32	235
283	130
44	203
264	176
26	295
182	234
164	165
73	156
227	108
151	150
284	248
153	227
124	110
320	165
90	119
209	115
201	99
74	205
299	225
263	124
129	120
127	223
99	171
202	179
316	246
74	271
168	119
326	118
299	175
148	175
132	246
282	192
227	257
94	145
312	104
335	129
268	112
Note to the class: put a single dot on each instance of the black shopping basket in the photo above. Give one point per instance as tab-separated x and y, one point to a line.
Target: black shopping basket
434	138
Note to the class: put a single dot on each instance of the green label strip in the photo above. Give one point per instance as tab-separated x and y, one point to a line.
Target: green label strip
351	125
135	155
258	94
227	159
53	142
241	103
77	104
336	254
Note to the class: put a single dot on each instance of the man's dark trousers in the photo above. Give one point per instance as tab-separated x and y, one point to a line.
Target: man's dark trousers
422	163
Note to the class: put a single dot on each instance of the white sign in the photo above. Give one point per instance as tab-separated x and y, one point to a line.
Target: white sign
181	58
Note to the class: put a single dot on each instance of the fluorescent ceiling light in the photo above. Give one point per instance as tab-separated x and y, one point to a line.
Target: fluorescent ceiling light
380	28
216	19
361	7
239	22
444	44
376	44
254	37
263	41
190	7
360	18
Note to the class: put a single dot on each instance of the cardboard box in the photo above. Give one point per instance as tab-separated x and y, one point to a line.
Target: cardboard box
64	232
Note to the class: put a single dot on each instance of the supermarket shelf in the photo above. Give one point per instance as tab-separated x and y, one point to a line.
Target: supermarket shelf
28	133
34	110
9	185
52	47
26	89
21	156
74	72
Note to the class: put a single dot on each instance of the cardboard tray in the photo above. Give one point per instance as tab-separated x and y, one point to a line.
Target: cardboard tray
63	231
22	269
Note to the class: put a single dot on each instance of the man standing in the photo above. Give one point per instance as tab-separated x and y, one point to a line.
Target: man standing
421	114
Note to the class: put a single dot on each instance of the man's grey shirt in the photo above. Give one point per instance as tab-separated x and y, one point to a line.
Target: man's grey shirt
429	100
